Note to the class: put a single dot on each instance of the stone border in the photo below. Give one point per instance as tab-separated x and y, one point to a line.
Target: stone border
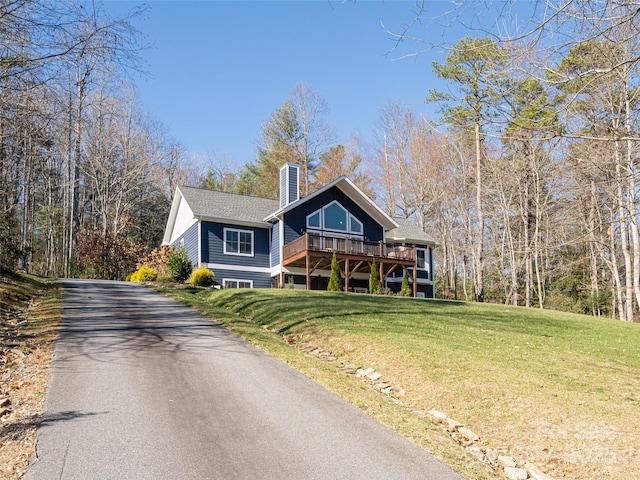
497	458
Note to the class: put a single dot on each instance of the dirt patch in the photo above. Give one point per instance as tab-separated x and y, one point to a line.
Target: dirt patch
29	320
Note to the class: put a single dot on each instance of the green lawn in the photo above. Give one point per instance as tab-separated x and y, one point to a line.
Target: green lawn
559	390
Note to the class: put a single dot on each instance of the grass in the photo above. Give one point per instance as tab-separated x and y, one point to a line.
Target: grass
30	309
559	390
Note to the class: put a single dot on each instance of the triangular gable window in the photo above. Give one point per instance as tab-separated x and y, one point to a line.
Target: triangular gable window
335	218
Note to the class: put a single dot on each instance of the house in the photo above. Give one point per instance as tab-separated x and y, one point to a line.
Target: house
252	242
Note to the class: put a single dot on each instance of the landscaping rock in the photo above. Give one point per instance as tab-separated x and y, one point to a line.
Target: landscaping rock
396	391
382	386
468	434
364	372
506	461
514	473
536	473
492	455
453	425
477	452
437	416
374	376
350	368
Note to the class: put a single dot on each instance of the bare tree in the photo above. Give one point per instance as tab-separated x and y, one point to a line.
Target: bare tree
310	109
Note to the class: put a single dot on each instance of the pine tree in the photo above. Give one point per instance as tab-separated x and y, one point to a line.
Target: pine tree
335	281
375	286
405	290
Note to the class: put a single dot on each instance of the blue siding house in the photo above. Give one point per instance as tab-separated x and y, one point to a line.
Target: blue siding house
252	242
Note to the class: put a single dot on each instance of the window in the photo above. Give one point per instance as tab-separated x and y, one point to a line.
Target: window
313	220
356	226
335	217
238	242
232	283
421	258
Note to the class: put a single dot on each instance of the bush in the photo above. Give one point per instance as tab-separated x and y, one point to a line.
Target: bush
109	257
144	274
335	281
203	277
405	289
375	286
179	265
157	259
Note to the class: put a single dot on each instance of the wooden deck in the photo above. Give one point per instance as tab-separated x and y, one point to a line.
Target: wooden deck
315	252
346	246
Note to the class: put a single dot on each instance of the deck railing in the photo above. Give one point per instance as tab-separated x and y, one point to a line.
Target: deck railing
322	243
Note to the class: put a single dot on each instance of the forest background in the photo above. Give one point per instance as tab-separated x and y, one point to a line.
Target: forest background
527	179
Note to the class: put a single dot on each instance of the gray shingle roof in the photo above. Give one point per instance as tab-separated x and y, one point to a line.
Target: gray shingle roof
231	206
245	208
409	231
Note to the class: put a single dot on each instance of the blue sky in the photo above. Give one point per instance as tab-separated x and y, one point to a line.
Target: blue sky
218	69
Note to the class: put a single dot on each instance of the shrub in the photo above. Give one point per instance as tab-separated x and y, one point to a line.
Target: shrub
144	274
335	281
405	289
203	277
157	259
179	265
375	286
109	257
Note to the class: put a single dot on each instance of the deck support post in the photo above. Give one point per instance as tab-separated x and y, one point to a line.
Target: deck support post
346	274
308	270
415	278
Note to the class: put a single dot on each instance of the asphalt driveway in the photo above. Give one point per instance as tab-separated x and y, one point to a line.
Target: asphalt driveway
144	388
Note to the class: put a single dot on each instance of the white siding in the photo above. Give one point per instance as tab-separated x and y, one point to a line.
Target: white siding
184	219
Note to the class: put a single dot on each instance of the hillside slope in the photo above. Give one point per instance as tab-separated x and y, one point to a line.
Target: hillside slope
30	313
553	389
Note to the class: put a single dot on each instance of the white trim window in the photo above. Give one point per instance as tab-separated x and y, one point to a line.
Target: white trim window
422	259
315	220
237	283
238	242
333	217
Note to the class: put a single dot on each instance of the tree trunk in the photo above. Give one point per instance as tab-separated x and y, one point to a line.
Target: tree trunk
479	250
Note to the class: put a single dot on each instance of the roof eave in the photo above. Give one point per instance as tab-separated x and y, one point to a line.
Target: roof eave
171	221
234	221
417	241
344	184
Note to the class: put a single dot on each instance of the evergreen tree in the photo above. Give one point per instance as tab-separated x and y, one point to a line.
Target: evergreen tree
405	289
335	282
375	286
475	69
178	264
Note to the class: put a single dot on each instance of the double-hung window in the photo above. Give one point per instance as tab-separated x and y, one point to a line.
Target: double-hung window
238	242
